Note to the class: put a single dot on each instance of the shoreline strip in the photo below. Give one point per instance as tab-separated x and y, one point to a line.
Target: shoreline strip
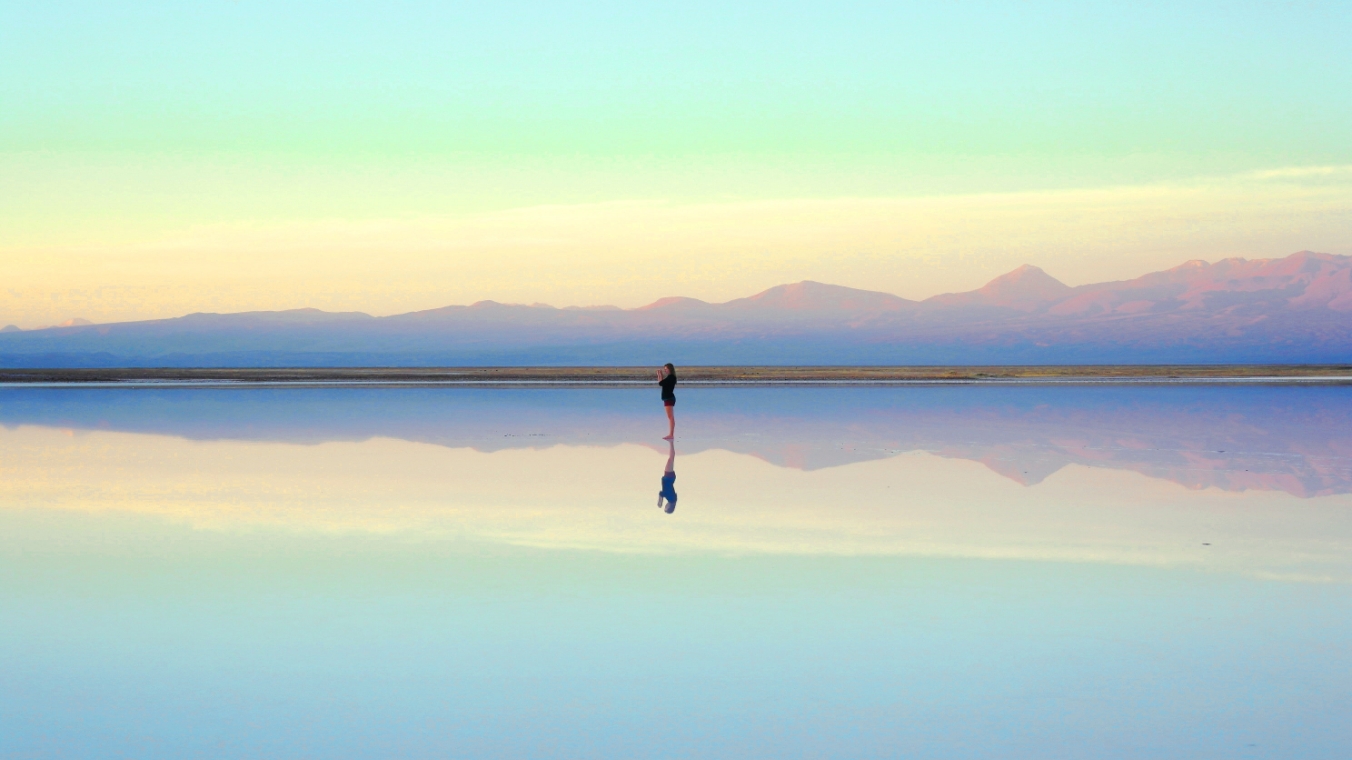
758	383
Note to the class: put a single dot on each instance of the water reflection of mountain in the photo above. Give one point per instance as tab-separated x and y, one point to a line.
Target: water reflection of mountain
1292	439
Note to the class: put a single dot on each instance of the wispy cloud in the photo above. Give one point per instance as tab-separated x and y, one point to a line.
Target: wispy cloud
1292	172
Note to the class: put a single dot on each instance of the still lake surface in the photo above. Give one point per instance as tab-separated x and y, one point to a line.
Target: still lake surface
945	572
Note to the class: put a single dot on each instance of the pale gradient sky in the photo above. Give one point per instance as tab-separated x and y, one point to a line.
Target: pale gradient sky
164	158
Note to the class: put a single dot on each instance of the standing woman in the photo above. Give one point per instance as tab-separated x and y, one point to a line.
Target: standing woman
666	377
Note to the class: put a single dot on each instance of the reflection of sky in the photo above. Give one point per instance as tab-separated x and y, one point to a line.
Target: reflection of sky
1291	439
430	573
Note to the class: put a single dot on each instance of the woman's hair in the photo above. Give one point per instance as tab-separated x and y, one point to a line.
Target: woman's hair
670	368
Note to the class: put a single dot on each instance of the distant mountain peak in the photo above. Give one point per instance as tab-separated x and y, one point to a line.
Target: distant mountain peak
673	302
810	295
1026	280
1026	288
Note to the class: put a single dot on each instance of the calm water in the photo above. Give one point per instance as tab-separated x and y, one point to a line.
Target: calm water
909	572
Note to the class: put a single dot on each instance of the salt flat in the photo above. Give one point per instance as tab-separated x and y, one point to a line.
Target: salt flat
698	375
1012	570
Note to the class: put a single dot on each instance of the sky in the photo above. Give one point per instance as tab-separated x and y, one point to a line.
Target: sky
162	158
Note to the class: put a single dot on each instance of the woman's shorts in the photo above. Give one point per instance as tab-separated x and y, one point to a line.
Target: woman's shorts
668	402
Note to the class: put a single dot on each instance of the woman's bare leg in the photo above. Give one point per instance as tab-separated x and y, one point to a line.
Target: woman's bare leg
671	418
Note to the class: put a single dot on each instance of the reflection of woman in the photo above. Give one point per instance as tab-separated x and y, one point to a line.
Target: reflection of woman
666	377
668	491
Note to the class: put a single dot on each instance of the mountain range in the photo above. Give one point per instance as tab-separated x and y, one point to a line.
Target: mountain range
1296	309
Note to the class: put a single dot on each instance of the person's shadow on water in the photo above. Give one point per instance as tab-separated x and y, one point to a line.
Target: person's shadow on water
668	492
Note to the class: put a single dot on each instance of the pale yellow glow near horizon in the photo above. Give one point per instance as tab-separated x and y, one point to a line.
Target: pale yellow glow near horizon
604	499
629	253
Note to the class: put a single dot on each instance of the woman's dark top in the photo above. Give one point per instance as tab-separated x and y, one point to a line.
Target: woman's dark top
668	384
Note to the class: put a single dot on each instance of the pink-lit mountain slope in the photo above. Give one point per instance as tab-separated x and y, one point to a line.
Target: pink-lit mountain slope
1294	309
1025	289
1301	282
